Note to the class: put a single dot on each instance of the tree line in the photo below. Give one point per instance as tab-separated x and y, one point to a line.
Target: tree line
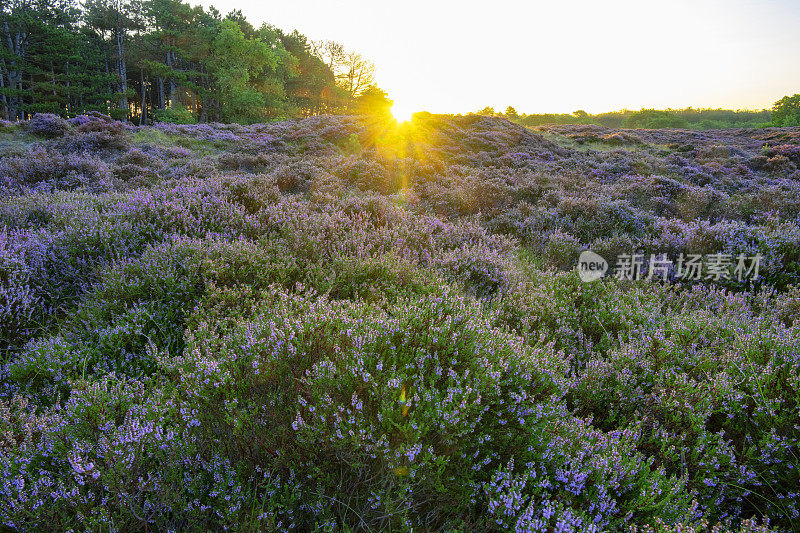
146	60
689	118
785	112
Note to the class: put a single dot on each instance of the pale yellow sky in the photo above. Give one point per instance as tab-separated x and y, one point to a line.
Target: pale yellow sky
559	55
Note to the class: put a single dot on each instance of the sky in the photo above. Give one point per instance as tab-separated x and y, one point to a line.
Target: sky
558	56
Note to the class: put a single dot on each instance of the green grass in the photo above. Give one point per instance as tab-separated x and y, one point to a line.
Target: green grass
199	146
591	146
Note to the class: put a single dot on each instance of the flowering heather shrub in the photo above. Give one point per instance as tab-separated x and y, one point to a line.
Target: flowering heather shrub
45	170
775	200
736	406
780	164
18	302
402	398
191	208
621	138
48	210
585	218
96	135
695	203
102	460
366	175
48	125
246	162
562	250
788	306
470	194
334	324
789	151
616	245
175	152
79	120
135	175
482	270
136	303
654	194
137	156
54	268
582	320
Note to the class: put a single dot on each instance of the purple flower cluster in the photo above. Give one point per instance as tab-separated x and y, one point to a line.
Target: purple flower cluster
48	125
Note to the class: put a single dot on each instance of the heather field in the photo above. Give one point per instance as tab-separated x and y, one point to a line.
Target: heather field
347	324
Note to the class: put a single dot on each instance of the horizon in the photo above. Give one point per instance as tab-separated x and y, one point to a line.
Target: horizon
650	56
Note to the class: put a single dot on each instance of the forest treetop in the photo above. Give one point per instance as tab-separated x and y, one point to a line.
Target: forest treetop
145	60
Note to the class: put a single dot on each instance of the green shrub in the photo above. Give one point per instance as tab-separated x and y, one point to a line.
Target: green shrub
176	114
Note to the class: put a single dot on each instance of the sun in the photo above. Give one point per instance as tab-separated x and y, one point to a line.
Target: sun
402	113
